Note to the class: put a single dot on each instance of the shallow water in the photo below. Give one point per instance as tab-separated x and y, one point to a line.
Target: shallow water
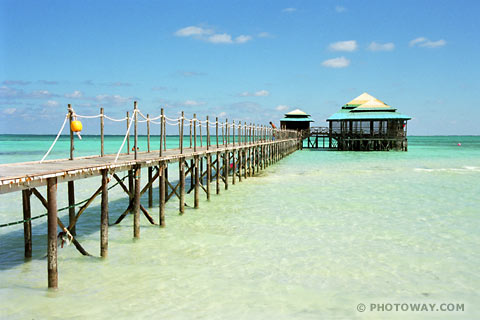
309	238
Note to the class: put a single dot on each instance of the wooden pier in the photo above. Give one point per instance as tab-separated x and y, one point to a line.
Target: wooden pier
238	151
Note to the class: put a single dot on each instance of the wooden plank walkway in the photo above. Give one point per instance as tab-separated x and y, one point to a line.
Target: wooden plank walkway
25	175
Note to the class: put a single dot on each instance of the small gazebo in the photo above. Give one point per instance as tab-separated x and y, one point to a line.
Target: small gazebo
296	120
365	124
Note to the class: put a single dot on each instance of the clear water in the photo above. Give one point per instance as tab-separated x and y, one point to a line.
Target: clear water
309	238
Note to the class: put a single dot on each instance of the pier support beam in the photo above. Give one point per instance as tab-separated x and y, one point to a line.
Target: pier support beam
52	233
136	203
150	189
27	225
217	174
181	168
240	163
234	166
226	167
196	196
161	195
71	206
209	174
104	216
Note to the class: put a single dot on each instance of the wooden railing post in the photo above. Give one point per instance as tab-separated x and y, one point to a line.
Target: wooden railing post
208	135
194	132
128	135
180	123
102	136
148	132
162	119
135	119
70	117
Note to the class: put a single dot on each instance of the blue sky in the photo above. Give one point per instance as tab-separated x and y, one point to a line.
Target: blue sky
241	60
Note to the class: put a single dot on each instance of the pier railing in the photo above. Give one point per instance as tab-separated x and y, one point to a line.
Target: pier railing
215	132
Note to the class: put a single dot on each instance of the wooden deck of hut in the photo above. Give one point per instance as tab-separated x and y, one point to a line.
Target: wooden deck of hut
237	152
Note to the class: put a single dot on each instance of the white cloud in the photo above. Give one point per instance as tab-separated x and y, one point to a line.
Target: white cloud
264	35
260	93
192	31
289	10
222	114
193	103
74	95
374	46
340	62
424	42
220	38
340	9
433	44
9	110
115	99
350	45
282	107
242	39
16	82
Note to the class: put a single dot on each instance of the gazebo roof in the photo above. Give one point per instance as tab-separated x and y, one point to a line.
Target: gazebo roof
361	99
297	112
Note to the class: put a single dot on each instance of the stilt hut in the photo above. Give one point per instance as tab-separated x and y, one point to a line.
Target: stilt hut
296	120
368	124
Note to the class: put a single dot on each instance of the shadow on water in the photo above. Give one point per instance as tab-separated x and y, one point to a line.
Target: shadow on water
12	243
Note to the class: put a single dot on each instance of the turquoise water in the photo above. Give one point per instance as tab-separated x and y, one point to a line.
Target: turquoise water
311	237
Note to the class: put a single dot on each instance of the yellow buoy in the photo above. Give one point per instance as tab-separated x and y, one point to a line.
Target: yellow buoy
76	126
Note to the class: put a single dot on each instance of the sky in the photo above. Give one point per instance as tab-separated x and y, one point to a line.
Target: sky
249	61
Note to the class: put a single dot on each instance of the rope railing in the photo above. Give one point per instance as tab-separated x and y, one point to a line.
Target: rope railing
235	132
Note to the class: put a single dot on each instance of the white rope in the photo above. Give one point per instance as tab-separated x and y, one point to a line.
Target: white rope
55	141
173	119
141	114
156	118
155	122
141	121
172	124
125	139
87	117
116	120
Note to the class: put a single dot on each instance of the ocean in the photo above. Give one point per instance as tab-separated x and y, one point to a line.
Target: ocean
313	236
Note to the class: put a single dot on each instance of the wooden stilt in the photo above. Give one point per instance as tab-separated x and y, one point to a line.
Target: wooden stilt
209	173
197	184
71	205
52	233
240	163
136	203
104	216
181	165
150	189
27	224
226	166
234	163
161	195
217	173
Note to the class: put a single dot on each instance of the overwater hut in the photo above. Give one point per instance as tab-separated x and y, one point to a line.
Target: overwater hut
296	120
367	124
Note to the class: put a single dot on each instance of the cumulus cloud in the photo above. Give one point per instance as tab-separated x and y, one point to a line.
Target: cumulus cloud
264	35
424	42
350	45
289	10
208	35
74	95
374	46
282	107
51	104
41	94
340	9
340	62
115	99
260	93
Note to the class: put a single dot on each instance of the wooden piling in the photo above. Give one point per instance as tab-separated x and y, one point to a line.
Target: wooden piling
27	223
197	184
226	166
240	163
209	173
217	171
150	188
70	117
161	195
71	206
135	120
148	132
128	135
136	203
162	122
181	165
234	164
104	216
52	233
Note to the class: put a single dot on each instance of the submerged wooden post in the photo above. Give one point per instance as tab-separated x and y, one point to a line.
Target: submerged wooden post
128	135
234	164
225	168
217	172
102	136
71	206
27	223
104	216
150	189
135	119
70	117
161	195
240	162
181	165
197	184
209	172
136	203
52	233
